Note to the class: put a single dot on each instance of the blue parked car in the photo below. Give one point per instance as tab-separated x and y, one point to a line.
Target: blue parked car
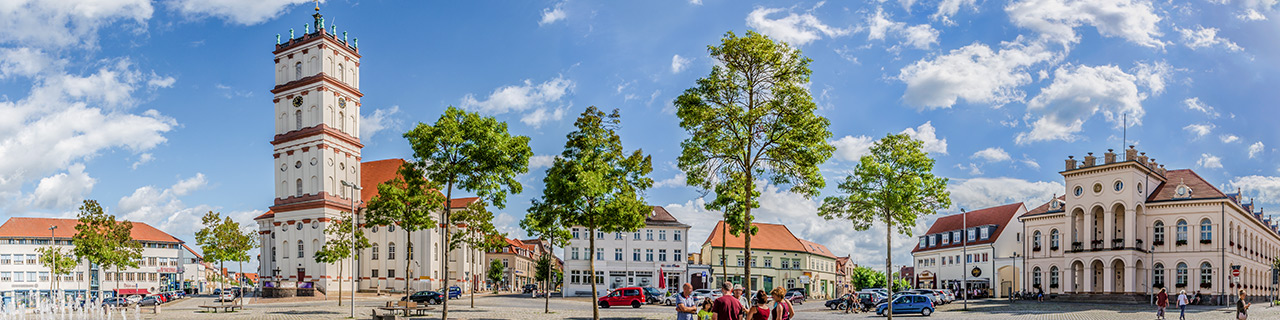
455	292
909	303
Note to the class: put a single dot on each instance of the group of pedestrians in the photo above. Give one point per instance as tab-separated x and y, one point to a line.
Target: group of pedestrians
734	305
1162	302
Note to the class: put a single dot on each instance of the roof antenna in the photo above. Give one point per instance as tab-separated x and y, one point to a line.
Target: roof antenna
1124	128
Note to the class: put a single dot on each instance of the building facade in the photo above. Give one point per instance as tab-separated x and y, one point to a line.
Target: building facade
653	254
22	278
779	259
987	263
1127	227
519	260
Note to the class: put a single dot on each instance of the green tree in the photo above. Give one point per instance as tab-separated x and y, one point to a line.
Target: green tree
546	272
752	119
338	247
893	184
495	273
407	200
473	153
217	241
595	184
864	278
545	223
479	234
58	261
241	241
102	240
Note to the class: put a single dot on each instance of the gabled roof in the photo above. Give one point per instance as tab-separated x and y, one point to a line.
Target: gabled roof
19	227
198	256
460	203
373	173
660	217
1044	208
1000	216
1200	189
768	237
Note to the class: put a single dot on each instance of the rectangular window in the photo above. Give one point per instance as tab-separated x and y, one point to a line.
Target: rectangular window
768	262
599	253
504	263
599	234
575	233
617	236
635	255
971	235
648	255
6	259
155	276
984	233
6	277
662	235
391	273
946	240
17	277
637	236
648	234
151	261
79	276
617	254
31	259
662	255
676	236
786	263
753	262
922	242
574	256
677	255
573	277
374	273
44	276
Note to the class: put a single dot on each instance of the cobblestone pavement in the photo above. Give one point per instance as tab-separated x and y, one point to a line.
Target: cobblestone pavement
523	307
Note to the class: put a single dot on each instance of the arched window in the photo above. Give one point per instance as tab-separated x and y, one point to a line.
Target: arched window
1206	231
1053	277
1053	239
1035	241
342	75
391	251
299	184
1182	230
297	117
297	71
1035	277
391	228
300	249
285	248
1181	275
273	252
342	121
1206	273
374	254
1158	271
1159	230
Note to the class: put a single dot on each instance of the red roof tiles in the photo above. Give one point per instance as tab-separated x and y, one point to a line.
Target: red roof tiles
769	237
1200	189
19	227
1000	216
373	173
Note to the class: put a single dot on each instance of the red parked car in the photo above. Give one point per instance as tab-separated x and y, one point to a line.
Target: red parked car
633	296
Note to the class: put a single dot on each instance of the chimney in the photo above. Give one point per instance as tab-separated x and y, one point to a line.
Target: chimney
1161	170
1090	160
1152	164
1071	163
1142	158
1109	157
1130	154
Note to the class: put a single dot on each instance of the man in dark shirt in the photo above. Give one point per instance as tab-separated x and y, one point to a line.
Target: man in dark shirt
726	307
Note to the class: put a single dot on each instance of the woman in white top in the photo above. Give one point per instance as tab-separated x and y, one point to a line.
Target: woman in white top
1182	305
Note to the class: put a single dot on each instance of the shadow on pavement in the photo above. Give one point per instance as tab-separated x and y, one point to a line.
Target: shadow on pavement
302	312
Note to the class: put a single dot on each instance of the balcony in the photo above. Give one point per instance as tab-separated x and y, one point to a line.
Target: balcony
1206	241
1117	244
1053	248
1181	243
1035	248
1158	243
1096	245
1077	246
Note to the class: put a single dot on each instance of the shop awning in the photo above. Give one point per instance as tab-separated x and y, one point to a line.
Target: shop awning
126	292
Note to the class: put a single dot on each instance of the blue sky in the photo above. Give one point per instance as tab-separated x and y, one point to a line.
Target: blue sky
161	110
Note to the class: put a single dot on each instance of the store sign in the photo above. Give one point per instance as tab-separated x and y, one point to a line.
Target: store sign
167	270
976	272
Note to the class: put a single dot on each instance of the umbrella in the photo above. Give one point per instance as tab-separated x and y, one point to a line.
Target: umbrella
662	283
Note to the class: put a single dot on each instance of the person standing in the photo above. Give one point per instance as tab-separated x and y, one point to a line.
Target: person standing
686	307
760	308
742	298
1182	304
1242	308
781	307
727	307
1162	301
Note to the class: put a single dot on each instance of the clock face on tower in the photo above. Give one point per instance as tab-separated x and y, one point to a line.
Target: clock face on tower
297	102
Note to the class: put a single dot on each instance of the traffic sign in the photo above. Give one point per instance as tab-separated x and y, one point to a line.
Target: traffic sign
1235	271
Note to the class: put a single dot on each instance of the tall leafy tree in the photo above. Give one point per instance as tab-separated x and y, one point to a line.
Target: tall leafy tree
58	261
339	245
752	119
102	240
893	184
544	222
408	201
215	241
240	241
495	273
595	184
479	233
472	153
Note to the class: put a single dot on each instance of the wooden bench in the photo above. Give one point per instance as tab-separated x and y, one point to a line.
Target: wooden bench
225	308
407	307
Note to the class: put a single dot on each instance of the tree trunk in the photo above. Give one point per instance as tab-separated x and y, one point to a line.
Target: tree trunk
724	261
473	265
339	283
888	263
550	265
595	306
444	309
408	241
240	278
746	243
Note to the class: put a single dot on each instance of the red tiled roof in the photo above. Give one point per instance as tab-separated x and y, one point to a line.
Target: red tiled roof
768	237
198	256
999	216
459	203
1043	208
269	214
373	173
1200	189
19	227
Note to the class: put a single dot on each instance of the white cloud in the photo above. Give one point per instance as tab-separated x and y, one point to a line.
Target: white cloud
1209	161
242	12
523	97
1229	138
929	136
1255	149
57	24
975	73
1194	103
993	154
162	208
1264	188
1199	130
794	29
880	25
675	181
1076	94
1133	20
380	119
695	2
1030	163
541	161
1202	37
63	191
1251	15
142	159
23	62
949	8
551	15
679	63
157	82
1152	75
850	148
979	193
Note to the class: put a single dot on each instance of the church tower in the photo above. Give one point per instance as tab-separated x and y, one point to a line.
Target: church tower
316	148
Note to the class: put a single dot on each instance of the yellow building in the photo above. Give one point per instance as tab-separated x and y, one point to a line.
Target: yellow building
779	259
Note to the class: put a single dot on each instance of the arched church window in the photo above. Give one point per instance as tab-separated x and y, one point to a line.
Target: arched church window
299	185
297	117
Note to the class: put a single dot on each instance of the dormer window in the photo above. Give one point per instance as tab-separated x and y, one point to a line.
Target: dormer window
1182	191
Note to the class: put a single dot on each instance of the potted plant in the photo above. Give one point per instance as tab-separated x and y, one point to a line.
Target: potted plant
1206	241
1206	284
1182	242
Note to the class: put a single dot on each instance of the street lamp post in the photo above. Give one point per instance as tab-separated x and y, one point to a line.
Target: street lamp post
354	220
51	268
964	270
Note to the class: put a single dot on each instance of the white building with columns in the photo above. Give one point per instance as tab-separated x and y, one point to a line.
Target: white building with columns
1128	226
